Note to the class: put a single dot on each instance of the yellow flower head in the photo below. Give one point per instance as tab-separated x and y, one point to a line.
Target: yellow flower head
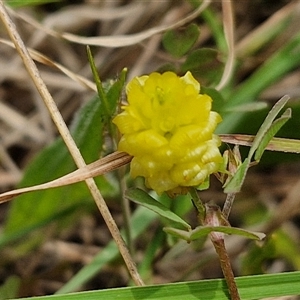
168	128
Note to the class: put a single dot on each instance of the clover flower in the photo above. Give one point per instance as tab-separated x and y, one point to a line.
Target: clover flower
168	128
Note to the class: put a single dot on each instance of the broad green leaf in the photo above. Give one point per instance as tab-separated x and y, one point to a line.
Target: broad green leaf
141	197
218	99
204	64
53	162
140	220
274	128
20	232
180	41
250	288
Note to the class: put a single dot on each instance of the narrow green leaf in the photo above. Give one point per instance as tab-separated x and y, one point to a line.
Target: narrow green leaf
141	197
250	288
274	128
267	124
179	41
182	234
205	230
236	182
114	92
202	231
101	93
284	60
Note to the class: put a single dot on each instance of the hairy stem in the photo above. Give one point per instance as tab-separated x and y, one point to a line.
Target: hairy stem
226	268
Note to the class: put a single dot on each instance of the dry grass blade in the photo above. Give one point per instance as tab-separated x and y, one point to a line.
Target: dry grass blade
276	144
228	21
119	40
132	39
108	163
37	56
66	136
254	40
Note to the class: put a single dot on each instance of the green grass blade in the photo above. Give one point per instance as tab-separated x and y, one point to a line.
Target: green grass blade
22	3
140	220
250	288
284	60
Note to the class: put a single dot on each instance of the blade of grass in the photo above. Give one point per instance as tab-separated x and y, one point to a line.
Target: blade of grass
284	60
250	288
140	220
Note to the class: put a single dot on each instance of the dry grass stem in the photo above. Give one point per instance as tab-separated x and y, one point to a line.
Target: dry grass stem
104	165
228	21
65	134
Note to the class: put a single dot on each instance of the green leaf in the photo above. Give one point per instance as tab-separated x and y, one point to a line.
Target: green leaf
179	41
202	231
250	288
141	197
29	210
218	99
101	92
205	65
22	3
274	128
264	135
284	60
236	182
267	124
182	234
205	230
10	288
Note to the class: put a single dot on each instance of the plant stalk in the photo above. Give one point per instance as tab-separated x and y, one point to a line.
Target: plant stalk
66	136
226	268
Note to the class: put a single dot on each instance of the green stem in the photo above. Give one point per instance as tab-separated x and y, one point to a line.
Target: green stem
198	205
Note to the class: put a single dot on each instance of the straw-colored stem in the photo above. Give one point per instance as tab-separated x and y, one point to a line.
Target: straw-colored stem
65	134
228	24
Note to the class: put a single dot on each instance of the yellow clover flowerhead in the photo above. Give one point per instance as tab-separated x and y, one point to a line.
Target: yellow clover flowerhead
168	128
